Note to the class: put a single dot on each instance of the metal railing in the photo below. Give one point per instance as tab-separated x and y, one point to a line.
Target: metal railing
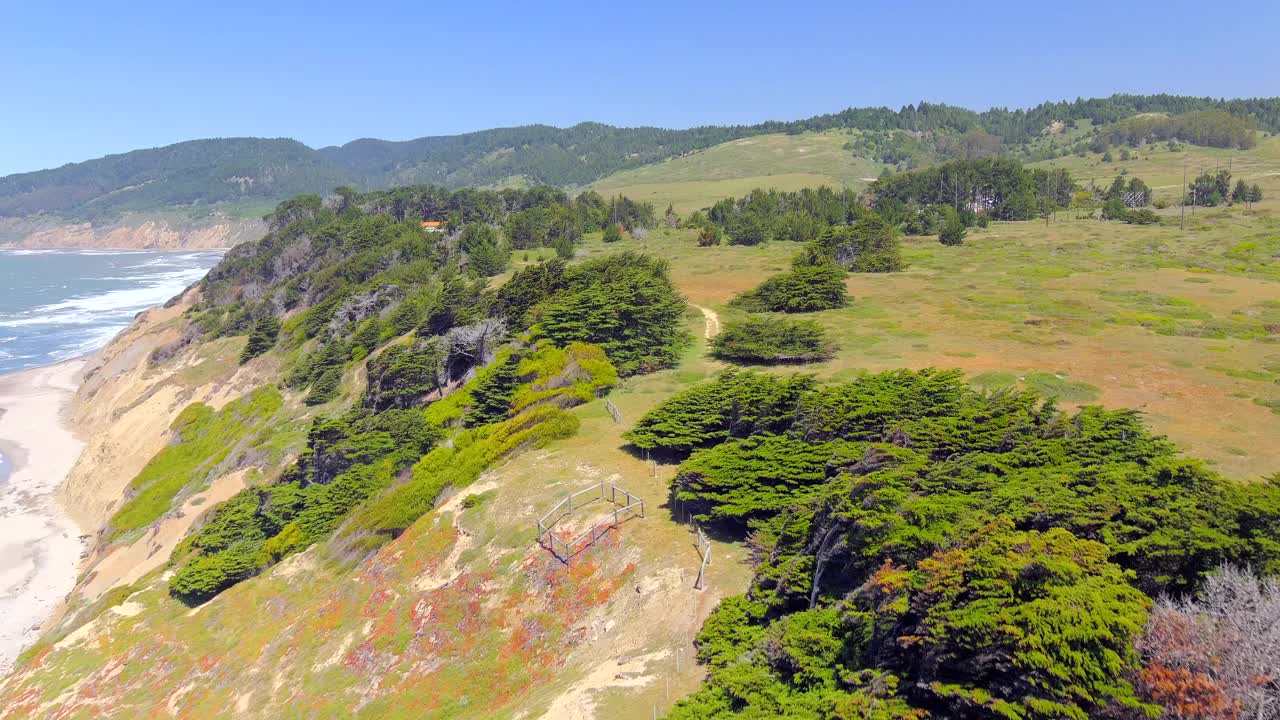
629	506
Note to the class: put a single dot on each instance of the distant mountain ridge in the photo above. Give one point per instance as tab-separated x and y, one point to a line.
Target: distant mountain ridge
240	170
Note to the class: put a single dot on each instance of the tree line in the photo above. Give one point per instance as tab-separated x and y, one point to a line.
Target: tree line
238	170
1210	128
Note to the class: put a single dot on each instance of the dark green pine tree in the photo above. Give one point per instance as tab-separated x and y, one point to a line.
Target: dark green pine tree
487	253
261	338
491	398
1241	193
953	232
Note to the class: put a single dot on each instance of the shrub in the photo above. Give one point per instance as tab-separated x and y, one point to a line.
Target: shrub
473	451
349	468
1201	654
931	220
772	340
710	235
1114	209
869	245
750	228
612	233
1141	216
204	440
802	289
953	233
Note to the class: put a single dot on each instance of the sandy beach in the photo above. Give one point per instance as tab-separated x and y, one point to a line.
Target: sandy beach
40	546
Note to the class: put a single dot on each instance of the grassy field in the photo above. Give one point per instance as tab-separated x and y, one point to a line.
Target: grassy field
784	162
1184	325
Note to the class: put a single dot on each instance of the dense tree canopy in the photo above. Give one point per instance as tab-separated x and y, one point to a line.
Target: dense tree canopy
1000	187
1212	128
626	304
800	216
921	547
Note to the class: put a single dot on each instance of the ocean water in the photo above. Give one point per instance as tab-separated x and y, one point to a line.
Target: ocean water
58	304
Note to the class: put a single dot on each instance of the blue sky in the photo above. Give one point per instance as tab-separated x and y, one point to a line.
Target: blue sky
80	80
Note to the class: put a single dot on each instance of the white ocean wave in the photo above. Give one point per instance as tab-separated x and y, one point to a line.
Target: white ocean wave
87	311
156	289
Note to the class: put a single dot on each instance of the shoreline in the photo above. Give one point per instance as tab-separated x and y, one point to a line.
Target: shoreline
92	248
41	547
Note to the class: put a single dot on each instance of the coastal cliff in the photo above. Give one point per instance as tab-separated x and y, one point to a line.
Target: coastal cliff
130	234
125	409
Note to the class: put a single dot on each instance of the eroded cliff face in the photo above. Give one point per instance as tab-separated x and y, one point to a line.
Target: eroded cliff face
138	235
124	410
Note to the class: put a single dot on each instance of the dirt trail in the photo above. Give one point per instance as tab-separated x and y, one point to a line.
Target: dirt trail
713	321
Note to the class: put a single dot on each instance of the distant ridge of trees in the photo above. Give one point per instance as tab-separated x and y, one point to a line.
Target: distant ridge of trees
240	170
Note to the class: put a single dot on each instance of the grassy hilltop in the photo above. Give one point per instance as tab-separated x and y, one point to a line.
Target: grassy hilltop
732	169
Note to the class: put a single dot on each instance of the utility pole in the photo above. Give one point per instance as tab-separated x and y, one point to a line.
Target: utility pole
1184	195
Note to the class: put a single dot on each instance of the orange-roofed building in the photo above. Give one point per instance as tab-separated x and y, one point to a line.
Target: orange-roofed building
432	225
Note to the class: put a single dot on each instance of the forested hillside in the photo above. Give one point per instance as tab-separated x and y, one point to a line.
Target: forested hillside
199	172
240	170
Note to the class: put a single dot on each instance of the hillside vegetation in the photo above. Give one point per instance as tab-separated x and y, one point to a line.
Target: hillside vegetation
247	170
1026	469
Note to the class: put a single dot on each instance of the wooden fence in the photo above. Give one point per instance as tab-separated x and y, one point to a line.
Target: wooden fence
614	412
704	549
625	506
